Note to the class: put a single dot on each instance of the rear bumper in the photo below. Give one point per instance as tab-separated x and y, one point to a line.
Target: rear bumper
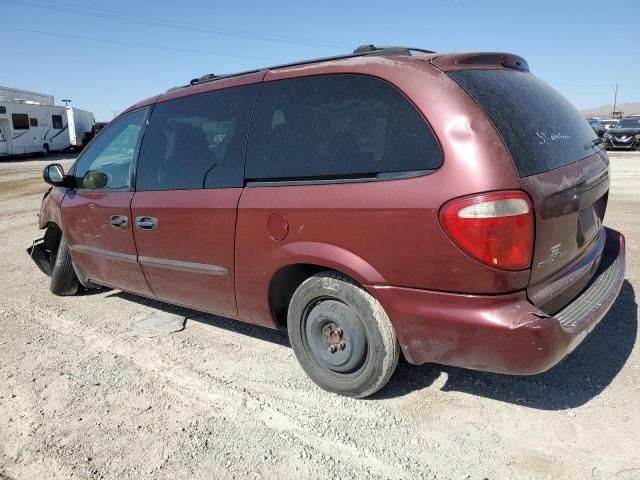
501	333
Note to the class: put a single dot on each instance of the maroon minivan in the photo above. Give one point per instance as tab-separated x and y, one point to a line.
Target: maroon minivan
446	205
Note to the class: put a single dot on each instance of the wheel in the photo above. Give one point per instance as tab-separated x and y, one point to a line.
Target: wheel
64	281
341	335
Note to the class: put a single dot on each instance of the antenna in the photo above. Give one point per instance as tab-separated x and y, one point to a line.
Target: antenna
66	102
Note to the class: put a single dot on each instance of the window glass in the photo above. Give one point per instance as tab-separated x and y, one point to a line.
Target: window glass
33	122
630	122
341	125
541	129
56	122
196	141
106	164
3	109
20	121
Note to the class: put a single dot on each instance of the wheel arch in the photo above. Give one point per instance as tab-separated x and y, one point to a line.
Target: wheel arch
306	259
52	236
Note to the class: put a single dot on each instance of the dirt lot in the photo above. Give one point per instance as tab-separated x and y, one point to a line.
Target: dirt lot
84	395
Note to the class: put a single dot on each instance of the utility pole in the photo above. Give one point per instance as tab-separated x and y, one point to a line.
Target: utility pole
615	101
67	102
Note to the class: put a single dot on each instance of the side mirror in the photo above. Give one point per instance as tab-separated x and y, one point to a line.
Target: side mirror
53	174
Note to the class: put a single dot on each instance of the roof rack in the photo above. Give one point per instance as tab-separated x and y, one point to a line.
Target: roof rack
388	50
361	51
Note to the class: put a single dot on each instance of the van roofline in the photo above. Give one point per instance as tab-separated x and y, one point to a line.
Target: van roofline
361	51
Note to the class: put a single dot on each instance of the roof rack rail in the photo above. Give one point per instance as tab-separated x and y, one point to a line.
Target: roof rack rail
388	50
204	78
361	51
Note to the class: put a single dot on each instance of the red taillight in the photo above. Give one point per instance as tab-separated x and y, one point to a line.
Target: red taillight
495	228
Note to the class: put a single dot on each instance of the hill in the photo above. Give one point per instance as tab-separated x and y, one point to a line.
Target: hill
605	110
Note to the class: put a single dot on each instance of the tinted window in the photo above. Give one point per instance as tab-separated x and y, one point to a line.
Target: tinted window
197	141
56	122
106	164
633	122
20	121
33	122
337	126
541	129
3	109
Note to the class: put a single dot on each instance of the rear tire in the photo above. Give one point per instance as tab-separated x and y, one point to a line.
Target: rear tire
64	281
341	335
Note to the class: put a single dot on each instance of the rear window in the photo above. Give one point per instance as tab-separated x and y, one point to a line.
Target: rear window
337	126
541	129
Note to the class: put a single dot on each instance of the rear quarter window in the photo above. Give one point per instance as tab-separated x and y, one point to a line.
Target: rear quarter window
541	129
336	126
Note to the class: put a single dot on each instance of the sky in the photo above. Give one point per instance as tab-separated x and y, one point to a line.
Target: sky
106	56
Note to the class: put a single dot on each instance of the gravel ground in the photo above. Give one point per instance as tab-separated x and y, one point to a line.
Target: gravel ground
83	394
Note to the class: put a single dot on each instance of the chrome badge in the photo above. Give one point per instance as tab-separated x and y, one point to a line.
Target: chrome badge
556	253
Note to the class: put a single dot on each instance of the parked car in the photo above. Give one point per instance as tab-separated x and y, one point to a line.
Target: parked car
625	135
446	205
597	126
98	126
609	123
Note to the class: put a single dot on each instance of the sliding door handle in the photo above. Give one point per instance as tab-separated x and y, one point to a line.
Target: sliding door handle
146	223
119	221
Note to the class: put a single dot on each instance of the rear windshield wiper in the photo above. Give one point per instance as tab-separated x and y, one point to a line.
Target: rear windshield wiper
593	143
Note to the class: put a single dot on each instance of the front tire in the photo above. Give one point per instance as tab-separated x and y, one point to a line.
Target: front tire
64	281
342	336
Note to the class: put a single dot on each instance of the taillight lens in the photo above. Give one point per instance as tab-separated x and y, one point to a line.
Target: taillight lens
495	228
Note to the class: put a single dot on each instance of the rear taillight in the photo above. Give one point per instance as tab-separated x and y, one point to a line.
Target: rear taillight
495	228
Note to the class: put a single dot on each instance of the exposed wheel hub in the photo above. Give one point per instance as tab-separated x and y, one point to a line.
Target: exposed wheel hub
332	337
335	336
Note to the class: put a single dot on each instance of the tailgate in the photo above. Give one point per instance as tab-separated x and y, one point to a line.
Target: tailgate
569	205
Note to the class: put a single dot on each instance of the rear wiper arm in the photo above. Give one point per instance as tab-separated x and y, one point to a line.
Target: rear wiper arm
593	143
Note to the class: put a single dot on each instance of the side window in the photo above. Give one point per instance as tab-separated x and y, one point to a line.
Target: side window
337	126
107	163
196	141
20	121
33	122
56	122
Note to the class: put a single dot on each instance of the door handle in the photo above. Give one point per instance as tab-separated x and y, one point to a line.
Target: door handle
119	221
146	223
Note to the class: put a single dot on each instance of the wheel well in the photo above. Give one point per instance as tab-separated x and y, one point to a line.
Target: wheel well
52	237
284	283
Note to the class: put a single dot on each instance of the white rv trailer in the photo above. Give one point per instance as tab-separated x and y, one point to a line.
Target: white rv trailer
31	123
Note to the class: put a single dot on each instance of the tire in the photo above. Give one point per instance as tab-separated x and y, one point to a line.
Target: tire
64	281
341	335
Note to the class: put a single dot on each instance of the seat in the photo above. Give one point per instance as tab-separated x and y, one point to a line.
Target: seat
190	161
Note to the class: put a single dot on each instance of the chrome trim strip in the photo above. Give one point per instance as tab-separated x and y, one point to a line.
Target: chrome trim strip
152	261
125	257
183	266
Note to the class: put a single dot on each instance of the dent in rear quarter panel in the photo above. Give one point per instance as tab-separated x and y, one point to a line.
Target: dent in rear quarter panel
50	211
383	232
